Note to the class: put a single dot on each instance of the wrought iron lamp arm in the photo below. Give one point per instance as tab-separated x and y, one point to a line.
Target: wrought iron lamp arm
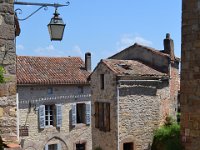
42	5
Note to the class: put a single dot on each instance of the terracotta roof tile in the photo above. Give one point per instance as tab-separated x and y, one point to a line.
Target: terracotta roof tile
131	67
51	70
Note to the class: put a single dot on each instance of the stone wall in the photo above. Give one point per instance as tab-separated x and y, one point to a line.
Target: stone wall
106	140
190	75
143	107
145	55
31	97
8	119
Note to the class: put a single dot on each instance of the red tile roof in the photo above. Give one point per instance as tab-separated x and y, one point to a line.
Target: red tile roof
131	67
51	70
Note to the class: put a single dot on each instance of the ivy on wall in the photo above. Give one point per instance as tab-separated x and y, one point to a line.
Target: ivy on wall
2	71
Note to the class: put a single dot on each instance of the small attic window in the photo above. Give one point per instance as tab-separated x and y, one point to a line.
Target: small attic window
125	66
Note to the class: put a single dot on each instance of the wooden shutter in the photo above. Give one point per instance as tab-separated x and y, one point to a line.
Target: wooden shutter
42	116
59	146
107	116
101	116
74	114
46	147
58	115
88	113
96	114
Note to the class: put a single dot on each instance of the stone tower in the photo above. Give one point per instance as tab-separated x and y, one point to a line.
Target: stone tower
8	117
190	75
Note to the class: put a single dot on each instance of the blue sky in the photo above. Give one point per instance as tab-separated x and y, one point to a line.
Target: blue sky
101	27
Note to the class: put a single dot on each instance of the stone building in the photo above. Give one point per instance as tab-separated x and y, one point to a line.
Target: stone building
54	103
190	75
9	29
132	94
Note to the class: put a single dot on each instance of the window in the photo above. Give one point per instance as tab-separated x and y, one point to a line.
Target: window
102	116
128	146
80	146
49	112
50	91
102	81
50	115
53	147
80	90
81	113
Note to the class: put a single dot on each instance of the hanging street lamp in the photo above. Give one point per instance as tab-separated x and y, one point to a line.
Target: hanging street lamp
56	26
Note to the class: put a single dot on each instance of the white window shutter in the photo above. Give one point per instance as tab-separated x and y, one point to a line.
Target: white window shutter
59	146
88	113
74	114
42	116
46	147
58	115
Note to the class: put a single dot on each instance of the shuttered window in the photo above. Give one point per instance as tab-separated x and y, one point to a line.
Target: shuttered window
50	115
102	116
81	113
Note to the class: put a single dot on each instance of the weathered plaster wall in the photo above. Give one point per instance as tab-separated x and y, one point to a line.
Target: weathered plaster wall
8	119
67	135
190	75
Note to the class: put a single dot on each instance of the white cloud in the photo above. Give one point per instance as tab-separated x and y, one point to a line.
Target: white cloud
20	47
50	50
128	40
77	50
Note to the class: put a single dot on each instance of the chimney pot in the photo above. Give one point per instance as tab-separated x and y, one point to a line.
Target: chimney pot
169	46
88	61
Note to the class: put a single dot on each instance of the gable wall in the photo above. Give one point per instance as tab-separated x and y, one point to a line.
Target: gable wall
106	140
143	55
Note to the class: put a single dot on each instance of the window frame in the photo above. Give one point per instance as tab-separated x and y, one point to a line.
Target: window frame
48	111
87	113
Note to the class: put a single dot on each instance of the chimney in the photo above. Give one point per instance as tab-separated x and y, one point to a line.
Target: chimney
169	46
88	61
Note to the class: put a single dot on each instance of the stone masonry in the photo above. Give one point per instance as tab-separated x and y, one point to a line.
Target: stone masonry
190	75
141	87
31	97
8	118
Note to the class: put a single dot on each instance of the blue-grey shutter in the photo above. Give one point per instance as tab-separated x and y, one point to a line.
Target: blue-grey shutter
88	113
42	116
58	115
74	114
46	147
59	146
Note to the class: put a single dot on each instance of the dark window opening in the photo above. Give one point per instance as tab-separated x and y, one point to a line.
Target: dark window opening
80	146
128	146
102	81
52	147
80	111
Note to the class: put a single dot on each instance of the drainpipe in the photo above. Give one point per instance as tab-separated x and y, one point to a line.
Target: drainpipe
118	85
17	113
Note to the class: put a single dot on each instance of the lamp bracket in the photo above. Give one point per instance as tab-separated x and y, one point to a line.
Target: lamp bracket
42	5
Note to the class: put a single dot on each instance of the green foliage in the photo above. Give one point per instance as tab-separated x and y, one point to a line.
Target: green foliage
168	131
167	137
2	71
